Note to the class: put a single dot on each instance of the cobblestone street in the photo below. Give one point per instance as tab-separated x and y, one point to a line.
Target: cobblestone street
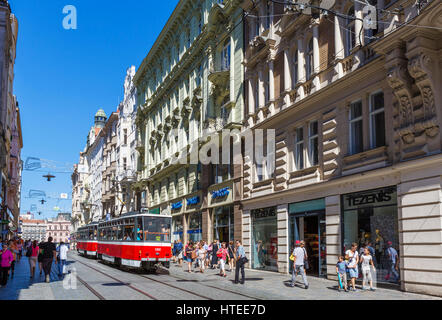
96	280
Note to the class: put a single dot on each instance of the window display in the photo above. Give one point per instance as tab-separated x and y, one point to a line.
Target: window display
195	232
371	218
223	223
264	239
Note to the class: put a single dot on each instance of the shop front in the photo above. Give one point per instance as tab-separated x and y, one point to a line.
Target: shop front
264	245
177	227
195	232
223	223
371	217
307	222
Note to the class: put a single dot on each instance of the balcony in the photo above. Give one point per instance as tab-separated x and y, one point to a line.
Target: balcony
128	176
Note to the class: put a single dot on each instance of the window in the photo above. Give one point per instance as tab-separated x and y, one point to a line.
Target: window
377	120
268	15
225	56
124	164
356	142
295	68
299	148
313	143
125	136
369	32
309	59
350	32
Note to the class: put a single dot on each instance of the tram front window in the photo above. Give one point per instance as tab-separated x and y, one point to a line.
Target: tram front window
157	229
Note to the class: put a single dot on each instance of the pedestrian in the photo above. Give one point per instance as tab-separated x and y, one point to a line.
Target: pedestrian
223	254
366	262
32	253
63	254
215	249
341	270
179	251
241	260
393	260
352	257
49	252
6	262
231	256
19	249
201	257
40	259
12	244
209	255
189	256
299	257
174	254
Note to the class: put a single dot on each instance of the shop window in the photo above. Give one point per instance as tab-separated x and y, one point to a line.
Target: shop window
299	148
356	142
371	218
223	222
195	227
313	143
177	223
264	251
377	120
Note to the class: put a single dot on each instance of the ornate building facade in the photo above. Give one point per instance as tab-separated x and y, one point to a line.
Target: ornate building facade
190	86
357	114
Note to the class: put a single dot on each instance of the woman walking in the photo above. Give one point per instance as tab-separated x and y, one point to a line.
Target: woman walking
189	256
201	257
353	259
6	262
223	254
35	249
40	259
215	249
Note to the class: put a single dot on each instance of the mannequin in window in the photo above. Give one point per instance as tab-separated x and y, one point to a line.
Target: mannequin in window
379	246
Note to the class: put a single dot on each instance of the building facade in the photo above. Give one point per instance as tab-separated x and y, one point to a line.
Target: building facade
79	194
59	229
190	87
34	230
10	130
357	116
126	152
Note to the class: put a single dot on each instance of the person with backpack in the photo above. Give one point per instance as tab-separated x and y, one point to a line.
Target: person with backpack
6	261
49	254
393	260
32	254
352	257
299	258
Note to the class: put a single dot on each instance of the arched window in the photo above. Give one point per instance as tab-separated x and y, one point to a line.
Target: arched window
350	41
309	59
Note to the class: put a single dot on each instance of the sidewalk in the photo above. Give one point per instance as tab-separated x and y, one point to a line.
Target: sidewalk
22	287
275	286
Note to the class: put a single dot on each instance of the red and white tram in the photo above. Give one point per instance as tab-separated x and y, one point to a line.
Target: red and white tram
87	240
137	240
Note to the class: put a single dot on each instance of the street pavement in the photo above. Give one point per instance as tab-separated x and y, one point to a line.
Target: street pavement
95	280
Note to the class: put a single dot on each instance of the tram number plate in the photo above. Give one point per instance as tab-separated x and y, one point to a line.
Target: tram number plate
157	249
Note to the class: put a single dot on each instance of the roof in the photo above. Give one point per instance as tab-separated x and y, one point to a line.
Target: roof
101	113
33	221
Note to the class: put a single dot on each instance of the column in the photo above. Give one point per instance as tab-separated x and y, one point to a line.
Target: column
246	235
251	96
301	66
316	60
339	47
283	238
261	96
287	77
271	86
358	25
333	233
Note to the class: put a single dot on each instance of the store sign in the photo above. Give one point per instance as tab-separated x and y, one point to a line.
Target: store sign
221	193
177	205
193	201
264	213
195	231
378	197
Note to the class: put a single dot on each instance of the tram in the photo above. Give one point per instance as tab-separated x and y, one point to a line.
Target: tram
136	240
87	240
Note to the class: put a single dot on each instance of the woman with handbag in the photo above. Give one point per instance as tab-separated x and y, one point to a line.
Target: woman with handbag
231	256
223	254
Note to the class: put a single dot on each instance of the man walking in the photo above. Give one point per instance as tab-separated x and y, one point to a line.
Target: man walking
241	260
49	252
300	255
393	260
63	254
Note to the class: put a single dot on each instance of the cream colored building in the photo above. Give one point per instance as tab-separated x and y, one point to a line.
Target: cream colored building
358	141
190	85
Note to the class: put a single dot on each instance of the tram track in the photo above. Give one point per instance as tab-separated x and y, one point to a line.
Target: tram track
145	277
87	286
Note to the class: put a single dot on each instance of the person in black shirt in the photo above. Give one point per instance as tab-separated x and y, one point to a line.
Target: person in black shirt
49	254
215	248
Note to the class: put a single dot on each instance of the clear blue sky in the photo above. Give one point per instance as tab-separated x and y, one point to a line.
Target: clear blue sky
62	77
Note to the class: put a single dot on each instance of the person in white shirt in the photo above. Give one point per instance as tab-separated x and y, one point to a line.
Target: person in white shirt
63	254
353	259
366	261
299	255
